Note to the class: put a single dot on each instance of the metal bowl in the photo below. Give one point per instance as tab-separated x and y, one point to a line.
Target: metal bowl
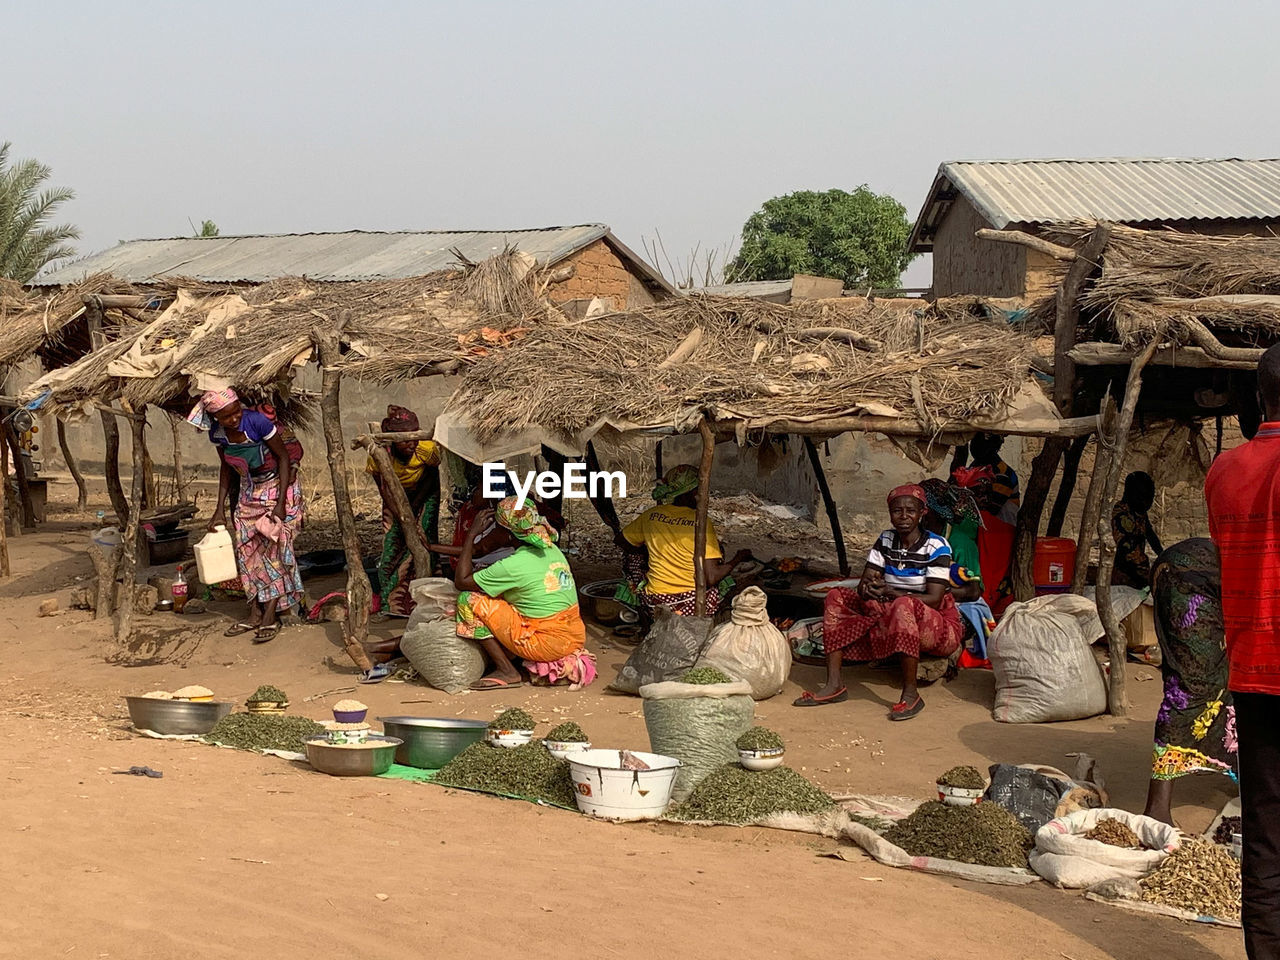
431	742
597	603
174	717
338	761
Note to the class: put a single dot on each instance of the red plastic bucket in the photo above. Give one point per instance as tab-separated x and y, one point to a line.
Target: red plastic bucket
1055	562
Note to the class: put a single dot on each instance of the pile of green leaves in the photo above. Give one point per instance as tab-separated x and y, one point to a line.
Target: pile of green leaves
567	732
263	731
731	794
963	778
759	738
513	719
705	675
985	833
268	694
526	771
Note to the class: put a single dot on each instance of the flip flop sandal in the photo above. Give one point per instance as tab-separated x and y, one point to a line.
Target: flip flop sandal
807	699
379	673
267	634
901	711
495	683
240	628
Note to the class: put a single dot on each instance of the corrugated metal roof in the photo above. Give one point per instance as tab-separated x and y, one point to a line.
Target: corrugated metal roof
1122	190
353	255
748	288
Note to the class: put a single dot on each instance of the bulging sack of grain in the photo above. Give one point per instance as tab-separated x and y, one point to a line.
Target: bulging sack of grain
1066	857
697	723
749	647
445	660
1044	668
673	645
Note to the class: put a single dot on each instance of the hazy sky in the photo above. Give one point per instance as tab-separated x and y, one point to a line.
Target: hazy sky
678	118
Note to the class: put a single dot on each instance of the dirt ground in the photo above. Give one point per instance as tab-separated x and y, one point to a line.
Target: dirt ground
231	853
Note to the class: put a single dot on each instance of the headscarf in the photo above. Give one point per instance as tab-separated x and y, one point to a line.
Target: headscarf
399	420
211	401
525	522
909	490
952	502
678	480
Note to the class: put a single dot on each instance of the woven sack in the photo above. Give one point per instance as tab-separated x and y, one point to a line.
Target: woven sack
749	647
445	660
697	724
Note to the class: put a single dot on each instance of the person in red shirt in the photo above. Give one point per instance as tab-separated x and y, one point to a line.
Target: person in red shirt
1242	491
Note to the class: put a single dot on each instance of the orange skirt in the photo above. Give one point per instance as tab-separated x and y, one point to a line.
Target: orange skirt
543	639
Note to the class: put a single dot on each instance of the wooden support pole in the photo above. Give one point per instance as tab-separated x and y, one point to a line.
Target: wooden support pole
1116	702
128	563
1057	251
1067	316
20	472
1092	354
1027	528
13	512
1093	496
833	517
111	467
902	427
1066	486
149	498
364	439
359	592
398	503
4	523
604	506
179	471
700	517
82	491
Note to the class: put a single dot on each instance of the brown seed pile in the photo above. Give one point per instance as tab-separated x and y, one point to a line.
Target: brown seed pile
1199	876
1111	831
985	834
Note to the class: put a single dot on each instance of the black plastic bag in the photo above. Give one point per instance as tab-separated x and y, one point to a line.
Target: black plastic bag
1031	797
673	645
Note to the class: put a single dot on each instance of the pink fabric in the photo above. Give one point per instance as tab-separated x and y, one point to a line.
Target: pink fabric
578	668
269	527
211	401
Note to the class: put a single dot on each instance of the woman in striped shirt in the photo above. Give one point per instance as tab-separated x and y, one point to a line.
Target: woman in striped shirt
903	606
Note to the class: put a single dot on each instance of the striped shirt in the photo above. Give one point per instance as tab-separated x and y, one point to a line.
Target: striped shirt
910	569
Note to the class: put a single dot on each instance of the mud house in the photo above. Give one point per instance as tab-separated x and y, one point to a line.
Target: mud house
1221	197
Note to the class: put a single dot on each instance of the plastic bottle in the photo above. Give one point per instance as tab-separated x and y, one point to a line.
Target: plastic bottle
179	589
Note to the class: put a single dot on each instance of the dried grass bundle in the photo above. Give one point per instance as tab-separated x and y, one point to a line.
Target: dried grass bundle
755	361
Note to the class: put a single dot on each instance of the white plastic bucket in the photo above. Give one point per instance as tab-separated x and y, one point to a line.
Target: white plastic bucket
603	789
216	557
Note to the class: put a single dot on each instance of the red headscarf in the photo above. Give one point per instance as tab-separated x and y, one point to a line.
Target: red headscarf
399	420
909	490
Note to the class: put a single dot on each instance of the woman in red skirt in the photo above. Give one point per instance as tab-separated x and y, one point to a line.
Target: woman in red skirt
903	606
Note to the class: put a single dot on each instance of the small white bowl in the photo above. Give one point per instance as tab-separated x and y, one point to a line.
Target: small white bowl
560	749
959	796
508	738
761	759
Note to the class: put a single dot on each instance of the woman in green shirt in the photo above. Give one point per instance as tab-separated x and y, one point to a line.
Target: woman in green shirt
526	604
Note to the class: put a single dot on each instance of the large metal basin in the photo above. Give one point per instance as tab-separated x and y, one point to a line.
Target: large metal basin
175	717
431	742
352	761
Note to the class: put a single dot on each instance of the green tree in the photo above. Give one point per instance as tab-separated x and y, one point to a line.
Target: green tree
859	237
27	241
207	229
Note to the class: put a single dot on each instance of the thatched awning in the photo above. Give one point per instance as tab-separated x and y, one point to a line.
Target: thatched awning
815	367
253	338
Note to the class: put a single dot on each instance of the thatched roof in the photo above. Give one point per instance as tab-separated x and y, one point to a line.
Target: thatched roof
253	338
1156	284
944	365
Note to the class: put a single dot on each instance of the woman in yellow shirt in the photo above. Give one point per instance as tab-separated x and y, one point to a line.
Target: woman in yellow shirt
414	462
658	549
